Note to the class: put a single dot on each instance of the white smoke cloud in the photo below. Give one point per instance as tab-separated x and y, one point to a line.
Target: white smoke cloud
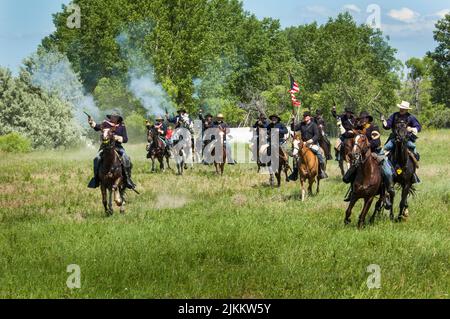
142	80
52	72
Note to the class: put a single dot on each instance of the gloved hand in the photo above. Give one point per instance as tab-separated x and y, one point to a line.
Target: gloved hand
383	119
309	142
118	138
92	123
412	130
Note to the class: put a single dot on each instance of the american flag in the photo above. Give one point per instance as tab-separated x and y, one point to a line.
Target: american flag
294	89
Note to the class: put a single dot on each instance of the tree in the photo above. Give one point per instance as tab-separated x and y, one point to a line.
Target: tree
440	70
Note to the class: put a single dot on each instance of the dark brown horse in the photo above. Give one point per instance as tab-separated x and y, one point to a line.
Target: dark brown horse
405	167
368	183
110	173
157	150
346	154
220	164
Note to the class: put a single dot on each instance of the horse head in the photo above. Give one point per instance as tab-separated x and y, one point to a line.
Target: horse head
108	136
298	144
401	131
360	149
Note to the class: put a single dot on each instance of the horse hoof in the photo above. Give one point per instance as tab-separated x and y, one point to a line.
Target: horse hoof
347	221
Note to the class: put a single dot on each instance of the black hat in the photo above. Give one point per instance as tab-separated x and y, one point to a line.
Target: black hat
318	112
209	115
366	115
115	115
307	113
181	111
276	116
349	110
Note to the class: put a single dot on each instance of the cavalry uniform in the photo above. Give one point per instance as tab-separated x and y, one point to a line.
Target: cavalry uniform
321	124
364	125
121	137
225	129
275	123
413	124
310	135
346	123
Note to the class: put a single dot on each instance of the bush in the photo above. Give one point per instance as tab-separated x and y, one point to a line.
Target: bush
439	118
14	143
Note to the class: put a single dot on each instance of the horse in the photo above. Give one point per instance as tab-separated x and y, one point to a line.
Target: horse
157	150
324	143
180	143
368	182
110	173
308	166
405	167
346	154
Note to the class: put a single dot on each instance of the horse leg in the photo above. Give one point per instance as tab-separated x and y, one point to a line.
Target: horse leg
302	189
310	185
278	176
362	217
153	164
122	197
110	200
117	197
168	162
391	211
403	202
348	212
378	207
318	185
161	164
105	203
341	166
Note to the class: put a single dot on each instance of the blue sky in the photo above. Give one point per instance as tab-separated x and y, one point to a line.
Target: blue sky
410	24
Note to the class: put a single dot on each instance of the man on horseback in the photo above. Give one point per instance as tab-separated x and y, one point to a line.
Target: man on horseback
275	123
413	124
324	142
364	125
261	123
225	129
115	121
346	124
310	135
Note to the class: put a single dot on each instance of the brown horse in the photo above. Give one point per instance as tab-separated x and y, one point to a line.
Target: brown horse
308	166
110	173
157	150
368	183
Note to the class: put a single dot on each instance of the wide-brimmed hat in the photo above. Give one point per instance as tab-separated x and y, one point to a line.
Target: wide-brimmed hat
115	115
159	118
209	115
181	111
220	116
364	115
307	113
275	116
404	105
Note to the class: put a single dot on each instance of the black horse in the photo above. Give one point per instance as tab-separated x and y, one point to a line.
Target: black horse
405	167
157	150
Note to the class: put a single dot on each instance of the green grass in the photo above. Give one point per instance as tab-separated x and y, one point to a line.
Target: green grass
202	236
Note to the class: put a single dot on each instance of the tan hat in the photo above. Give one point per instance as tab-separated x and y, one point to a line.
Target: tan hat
404	106
220	116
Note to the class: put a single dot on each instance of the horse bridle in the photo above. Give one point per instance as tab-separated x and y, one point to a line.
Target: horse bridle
358	158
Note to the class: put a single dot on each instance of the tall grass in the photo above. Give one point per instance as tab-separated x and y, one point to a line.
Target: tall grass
203	236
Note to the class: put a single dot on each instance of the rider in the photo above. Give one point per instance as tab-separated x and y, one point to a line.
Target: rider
120	136
414	128
261	123
320	121
225	128
346	123
275	123
364	124
161	128
310	135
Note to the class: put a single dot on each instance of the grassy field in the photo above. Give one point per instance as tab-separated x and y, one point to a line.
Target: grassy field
204	236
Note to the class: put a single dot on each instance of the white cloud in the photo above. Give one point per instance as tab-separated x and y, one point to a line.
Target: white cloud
352	7
442	13
404	14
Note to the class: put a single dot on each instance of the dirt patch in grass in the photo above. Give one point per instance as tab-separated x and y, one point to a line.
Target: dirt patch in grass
170	201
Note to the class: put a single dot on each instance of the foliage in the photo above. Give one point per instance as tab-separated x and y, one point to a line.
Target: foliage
441	66
44	119
135	124
14	143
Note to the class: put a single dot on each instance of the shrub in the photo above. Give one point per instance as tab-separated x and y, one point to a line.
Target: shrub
14	143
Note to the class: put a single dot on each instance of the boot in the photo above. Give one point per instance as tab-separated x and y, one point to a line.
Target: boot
416	179
94	183
349	194
128	182
338	155
322	173
294	176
